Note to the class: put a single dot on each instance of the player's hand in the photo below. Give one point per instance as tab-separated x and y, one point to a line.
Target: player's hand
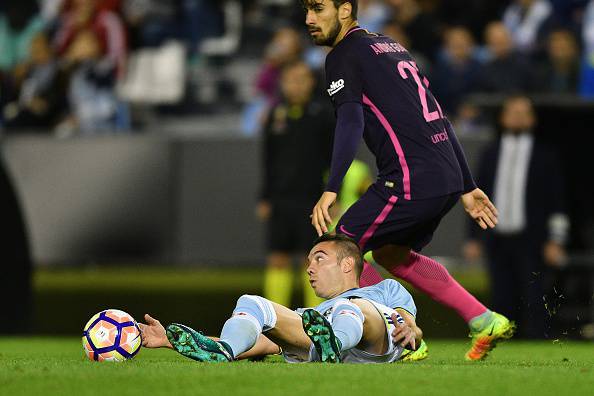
478	206
403	335
153	333
320	217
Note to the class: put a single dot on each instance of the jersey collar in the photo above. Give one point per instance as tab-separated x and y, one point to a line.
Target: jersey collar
351	30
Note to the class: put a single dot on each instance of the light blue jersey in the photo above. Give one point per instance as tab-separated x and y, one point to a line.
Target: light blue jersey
386	296
388	292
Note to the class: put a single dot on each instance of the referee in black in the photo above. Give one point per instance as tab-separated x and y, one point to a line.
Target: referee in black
297	141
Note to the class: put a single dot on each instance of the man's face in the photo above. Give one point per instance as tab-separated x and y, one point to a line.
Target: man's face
322	22
459	44
297	84
498	40
324	270
562	47
518	115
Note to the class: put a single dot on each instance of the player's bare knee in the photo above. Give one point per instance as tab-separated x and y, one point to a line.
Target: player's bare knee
370	312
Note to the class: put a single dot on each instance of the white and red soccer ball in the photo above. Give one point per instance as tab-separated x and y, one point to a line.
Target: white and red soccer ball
111	335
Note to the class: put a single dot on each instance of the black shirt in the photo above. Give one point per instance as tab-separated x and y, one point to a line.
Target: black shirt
297	141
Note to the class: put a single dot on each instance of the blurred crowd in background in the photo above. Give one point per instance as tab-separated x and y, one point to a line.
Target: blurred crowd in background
90	66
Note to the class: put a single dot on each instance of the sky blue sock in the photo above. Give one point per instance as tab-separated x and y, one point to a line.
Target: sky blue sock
251	316
347	323
240	333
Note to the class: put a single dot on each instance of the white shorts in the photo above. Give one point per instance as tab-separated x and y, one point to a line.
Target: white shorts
354	355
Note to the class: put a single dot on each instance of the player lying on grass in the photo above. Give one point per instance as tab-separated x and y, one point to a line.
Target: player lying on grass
356	325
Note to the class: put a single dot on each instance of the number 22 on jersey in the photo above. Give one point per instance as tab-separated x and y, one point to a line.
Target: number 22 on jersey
411	67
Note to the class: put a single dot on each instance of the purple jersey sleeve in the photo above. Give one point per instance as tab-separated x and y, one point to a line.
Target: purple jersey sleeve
343	77
349	131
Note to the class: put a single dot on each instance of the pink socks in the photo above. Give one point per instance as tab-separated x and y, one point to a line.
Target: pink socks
369	276
434	280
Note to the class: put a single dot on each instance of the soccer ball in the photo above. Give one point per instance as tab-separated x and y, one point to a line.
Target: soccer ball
111	335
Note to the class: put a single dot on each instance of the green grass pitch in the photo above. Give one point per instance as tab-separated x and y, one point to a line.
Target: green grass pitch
55	366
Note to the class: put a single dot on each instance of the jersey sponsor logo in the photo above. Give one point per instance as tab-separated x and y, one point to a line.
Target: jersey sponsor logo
335	87
439	137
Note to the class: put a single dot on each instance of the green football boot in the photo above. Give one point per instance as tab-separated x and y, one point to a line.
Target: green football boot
194	345
421	353
320	332
499	329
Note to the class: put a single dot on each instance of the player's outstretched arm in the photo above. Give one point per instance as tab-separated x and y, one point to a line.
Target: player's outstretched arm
154	336
153	333
478	206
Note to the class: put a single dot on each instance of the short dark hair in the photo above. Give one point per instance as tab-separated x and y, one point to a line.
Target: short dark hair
347	247
337	3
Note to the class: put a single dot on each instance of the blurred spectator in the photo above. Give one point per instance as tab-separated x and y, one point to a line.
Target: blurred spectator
91	96
472	14
526	182
200	19
16	268
506	71
151	22
421	27
456	71
19	23
559	74
296	149
50	9
568	13
524	19
372	15
396	32
81	16
587	78
469	119
284	48
42	99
